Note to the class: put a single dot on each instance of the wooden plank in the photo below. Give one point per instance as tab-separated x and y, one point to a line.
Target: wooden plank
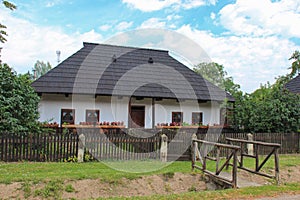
217	144
254	142
255	172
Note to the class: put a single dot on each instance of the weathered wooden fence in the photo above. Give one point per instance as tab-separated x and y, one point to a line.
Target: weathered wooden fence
127	144
119	145
37	147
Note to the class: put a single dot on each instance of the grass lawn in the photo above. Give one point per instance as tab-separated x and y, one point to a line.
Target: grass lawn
36	172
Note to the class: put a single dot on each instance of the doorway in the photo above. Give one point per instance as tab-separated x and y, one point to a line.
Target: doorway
137	114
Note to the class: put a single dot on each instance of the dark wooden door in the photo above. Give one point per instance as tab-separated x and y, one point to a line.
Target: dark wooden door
137	114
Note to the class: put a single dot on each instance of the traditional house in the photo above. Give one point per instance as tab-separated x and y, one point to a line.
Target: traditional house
294	85
137	86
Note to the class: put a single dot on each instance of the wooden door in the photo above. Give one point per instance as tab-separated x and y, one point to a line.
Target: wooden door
137	114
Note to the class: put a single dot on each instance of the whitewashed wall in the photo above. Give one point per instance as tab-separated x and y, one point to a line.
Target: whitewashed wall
164	109
111	109
116	109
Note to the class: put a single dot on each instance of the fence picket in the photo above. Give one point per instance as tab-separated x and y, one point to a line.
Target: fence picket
116	144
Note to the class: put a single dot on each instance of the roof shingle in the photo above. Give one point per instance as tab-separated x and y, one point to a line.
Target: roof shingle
294	85
92	70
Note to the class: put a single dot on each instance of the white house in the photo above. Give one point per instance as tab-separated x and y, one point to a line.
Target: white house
137	86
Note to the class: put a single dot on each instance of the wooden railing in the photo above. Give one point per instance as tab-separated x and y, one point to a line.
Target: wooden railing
202	156
255	155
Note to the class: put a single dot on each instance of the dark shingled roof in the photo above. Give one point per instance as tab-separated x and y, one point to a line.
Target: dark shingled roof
102	69
294	85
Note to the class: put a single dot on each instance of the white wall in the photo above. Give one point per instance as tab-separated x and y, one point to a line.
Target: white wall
116	109
164	109
111	109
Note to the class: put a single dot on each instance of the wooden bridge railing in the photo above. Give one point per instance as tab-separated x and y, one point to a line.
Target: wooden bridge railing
203	157
258	166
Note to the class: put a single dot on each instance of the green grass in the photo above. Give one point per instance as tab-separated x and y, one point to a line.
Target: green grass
25	171
53	174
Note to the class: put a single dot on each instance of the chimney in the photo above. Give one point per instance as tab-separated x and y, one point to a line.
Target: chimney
58	55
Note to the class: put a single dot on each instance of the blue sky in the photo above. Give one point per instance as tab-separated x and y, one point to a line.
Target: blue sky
252	39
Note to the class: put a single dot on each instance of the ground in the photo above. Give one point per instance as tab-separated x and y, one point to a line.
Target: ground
168	183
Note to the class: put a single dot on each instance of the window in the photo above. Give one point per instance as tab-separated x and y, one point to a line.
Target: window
197	118
92	115
177	117
67	116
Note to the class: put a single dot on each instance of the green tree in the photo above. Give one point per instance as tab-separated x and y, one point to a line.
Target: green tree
213	72
271	108
40	68
3	33
295	68
216	74
18	102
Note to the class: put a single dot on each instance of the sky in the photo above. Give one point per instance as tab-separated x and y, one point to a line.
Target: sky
252	39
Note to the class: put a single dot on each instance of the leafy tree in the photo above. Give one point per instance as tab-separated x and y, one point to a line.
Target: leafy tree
270	109
216	74
18	102
213	72
296	64
40	68
3	33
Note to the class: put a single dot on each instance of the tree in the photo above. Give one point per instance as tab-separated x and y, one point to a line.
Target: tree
40	68
3	33
216	74
296	64
18	102
271	108
213	72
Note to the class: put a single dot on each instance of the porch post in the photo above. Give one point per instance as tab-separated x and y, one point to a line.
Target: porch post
129	113
153	112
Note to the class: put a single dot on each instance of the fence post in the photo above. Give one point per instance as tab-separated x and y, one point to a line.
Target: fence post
164	148
81	146
250	146
193	151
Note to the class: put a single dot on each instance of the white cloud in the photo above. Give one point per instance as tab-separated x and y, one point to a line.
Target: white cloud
262	17
250	60
150	5
28	43
153	23
173	17
212	15
105	27
154	5
124	25
188	4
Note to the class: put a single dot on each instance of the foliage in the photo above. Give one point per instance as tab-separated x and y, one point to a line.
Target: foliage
72	159
270	109
296	64
212	72
216	74
18	102
69	188
52	189
3	33
40	68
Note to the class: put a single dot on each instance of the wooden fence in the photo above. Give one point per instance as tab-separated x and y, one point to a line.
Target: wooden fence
120	145
37	147
126	144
